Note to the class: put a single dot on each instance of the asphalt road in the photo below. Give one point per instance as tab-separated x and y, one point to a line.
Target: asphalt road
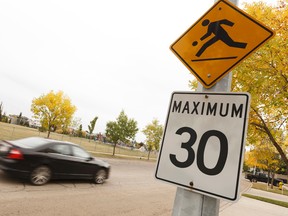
131	190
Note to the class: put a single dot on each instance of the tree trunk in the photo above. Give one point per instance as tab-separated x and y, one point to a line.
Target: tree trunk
272	139
149	155
269	174
114	149
272	180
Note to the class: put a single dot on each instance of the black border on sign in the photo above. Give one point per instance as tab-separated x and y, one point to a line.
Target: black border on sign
247	95
272	33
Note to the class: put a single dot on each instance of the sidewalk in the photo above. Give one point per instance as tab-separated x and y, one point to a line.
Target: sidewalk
251	207
268	195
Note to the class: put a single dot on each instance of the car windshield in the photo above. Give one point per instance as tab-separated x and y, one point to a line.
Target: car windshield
30	142
78	152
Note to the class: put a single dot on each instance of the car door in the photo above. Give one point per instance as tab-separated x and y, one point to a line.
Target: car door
60	160
83	165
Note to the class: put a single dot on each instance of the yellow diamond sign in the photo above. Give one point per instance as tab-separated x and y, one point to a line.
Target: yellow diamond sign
218	41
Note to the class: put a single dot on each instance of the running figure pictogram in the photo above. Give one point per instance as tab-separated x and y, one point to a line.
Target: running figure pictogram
219	34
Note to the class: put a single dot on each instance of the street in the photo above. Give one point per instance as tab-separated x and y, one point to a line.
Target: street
131	190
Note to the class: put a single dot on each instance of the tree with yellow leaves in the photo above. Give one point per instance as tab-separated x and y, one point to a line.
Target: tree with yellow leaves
265	76
153	133
54	110
263	156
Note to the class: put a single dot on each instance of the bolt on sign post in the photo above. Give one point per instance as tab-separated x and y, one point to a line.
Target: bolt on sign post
218	41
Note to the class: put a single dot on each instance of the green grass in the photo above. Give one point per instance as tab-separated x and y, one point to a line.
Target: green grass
264	187
275	202
12	132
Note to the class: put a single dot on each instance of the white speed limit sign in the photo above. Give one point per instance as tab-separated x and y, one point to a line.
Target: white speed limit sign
203	142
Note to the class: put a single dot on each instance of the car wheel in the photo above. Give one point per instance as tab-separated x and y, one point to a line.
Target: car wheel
40	175
254	180
100	176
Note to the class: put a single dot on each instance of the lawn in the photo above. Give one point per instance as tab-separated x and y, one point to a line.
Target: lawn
12	132
275	202
264	187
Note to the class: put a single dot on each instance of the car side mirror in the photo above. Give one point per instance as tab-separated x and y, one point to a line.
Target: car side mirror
89	159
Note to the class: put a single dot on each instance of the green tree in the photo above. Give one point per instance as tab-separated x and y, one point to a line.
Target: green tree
53	110
79	131
19	119
123	129
91	127
153	133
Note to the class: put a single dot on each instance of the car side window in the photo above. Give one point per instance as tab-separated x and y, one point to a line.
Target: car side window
79	152
60	149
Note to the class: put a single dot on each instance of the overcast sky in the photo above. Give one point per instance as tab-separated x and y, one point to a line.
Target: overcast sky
106	56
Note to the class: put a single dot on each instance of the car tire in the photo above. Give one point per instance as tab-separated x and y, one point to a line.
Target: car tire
100	176
40	175
254	180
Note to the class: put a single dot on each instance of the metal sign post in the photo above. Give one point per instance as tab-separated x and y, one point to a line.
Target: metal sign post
189	203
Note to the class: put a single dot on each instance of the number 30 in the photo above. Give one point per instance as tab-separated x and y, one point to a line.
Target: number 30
201	150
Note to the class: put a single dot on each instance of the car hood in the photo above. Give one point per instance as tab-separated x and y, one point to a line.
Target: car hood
101	162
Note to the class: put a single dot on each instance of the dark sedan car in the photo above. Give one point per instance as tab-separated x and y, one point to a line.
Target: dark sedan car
40	159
